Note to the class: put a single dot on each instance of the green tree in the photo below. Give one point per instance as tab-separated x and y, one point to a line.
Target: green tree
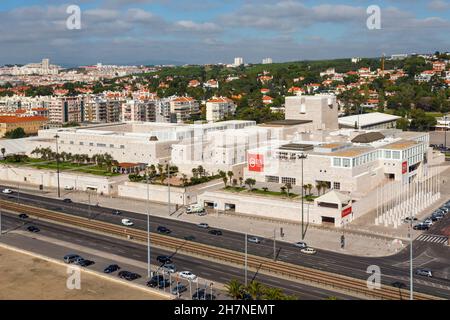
15	134
234	289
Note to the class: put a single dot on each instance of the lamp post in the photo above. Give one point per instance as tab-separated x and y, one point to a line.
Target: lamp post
148	230
245	263
57	163
302	157
445	133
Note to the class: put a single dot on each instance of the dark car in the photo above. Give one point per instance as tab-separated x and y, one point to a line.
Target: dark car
189	238
202	295
85	263
127	275
215	232
178	289
162	229
164	259
33	229
23	216
421	227
117	213
154	281
164	284
71	258
67	200
111	268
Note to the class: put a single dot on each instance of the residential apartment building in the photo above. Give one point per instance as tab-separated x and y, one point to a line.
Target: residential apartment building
67	109
219	108
184	108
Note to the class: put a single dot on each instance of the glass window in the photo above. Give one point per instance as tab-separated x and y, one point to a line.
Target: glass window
337	162
346	163
396	155
337	185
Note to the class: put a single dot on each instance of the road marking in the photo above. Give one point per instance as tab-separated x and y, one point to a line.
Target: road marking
437	239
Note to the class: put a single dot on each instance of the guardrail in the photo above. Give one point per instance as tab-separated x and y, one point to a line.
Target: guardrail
279	269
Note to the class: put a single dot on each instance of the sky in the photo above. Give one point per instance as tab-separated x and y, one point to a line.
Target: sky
213	31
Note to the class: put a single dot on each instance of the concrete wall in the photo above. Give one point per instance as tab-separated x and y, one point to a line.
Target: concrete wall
107	186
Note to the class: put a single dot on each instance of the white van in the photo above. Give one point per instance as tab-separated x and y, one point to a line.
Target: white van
195	208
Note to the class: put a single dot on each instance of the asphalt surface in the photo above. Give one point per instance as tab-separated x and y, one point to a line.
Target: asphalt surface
393	268
202	268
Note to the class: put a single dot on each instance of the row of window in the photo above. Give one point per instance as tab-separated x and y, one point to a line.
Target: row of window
91	144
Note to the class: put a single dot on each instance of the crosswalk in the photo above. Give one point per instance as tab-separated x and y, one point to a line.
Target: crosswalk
433	239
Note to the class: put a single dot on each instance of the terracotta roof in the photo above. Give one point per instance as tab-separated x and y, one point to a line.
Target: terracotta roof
13	119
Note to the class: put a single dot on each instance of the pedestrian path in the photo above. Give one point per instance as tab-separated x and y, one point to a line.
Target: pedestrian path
433	239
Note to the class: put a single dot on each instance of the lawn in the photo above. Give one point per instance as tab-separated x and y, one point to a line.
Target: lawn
260	192
65	166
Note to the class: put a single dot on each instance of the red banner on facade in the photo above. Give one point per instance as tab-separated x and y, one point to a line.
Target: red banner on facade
255	162
346	212
404	167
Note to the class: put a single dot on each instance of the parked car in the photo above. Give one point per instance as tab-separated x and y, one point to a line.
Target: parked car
428	222
202	214
253	240
164	259
33	229
203	225
117	213
111	268
164	230
424	272
215	232
169	267
421	226
202	295
301	245
444	209
67	200
409	219
189	238
84	262
70	258
308	250
195	208
187	275
178	289
7	191
154	281
127	222
23	216
127	275
68	188
163	284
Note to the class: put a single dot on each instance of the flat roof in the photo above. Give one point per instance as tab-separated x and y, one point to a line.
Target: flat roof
367	119
351	152
297	147
400	145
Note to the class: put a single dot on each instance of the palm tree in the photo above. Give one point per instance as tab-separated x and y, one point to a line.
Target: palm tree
283	189
184	179
225	181
288	187
36	151
160	168
273	294
3	151
195	172
162	177
255	289
63	156
201	171
241	180
305	188
318	187
152	170
324	186
250	182
234	289
230	175
310	186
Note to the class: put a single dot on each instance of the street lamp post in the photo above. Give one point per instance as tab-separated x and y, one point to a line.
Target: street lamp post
302	157
57	164
245	264
445	133
148	230
411	282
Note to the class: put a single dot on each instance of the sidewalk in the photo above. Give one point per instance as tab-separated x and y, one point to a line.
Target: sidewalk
364	244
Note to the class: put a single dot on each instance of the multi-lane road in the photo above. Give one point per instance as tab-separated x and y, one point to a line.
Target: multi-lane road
394	268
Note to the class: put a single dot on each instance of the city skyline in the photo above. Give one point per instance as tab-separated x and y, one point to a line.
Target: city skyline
173	32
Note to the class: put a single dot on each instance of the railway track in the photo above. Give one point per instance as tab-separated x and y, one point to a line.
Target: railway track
279	269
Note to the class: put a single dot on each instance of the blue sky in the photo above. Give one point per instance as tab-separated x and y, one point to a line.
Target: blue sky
210	31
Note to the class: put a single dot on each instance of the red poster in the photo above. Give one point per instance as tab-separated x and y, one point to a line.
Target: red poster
255	162
346	212
404	167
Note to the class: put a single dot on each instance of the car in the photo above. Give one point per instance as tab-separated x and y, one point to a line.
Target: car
178	289
301	245
408	219
164	259
187	275
154	281
308	250
127	222
71	258
111	268
33	229
189	238
169	267
215	232
201	295
421	226
444	209
203	225
162	229
253	240
84	262
129	276
163	284
68	188
424	272
67	200
428	222
201	214
195	208
23	216
7	191
117	213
